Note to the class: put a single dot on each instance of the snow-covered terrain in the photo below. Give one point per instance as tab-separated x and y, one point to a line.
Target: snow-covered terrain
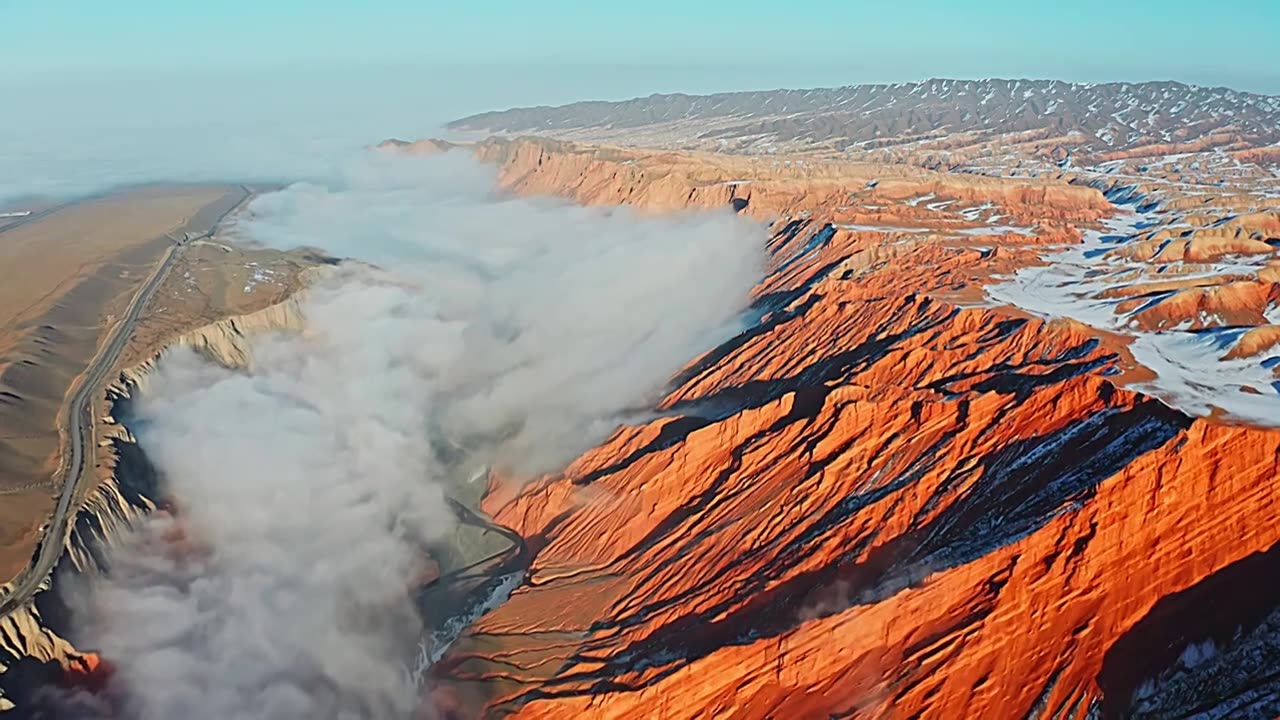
1190	372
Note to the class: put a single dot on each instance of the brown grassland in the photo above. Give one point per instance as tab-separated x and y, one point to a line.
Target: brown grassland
68	276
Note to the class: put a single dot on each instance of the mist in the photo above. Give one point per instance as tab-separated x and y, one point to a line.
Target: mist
513	332
570	314
69	133
64	135
306	492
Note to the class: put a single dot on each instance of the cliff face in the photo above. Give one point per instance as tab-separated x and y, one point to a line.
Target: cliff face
33	649
764	188
884	498
882	501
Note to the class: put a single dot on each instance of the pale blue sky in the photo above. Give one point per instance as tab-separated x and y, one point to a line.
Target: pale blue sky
691	45
100	92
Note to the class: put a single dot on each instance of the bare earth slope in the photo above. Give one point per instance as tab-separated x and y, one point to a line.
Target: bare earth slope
68	276
999	439
1091	119
896	494
212	295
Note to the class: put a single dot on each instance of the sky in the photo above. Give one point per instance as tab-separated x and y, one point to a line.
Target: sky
677	44
100	93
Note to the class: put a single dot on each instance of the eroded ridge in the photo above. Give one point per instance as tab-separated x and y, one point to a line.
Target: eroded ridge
888	496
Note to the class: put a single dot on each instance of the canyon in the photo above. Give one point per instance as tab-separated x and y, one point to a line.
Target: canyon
997	437
908	490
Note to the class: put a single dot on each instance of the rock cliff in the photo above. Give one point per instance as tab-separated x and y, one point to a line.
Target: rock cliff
33	649
903	490
659	181
883	499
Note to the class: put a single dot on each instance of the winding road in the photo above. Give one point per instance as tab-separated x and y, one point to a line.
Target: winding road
462	593
79	458
514	557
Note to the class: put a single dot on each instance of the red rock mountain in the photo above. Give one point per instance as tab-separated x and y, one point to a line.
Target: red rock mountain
999	440
885	499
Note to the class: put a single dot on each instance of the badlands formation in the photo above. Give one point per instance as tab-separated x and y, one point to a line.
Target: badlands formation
92	256
999	442
999	438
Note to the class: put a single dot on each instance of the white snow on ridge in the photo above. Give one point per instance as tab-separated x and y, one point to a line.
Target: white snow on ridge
886	228
1192	377
1190	374
997	230
974	213
259	275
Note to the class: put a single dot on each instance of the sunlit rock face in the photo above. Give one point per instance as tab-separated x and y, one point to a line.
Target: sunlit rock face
978	447
897	493
305	477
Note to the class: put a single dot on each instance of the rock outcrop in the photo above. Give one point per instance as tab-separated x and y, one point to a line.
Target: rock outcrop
428	146
764	188
878	501
888	496
33	651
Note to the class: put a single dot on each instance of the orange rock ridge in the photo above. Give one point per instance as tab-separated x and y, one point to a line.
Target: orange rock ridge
664	181
874	502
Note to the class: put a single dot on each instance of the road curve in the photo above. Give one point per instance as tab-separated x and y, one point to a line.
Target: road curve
80	420
516	556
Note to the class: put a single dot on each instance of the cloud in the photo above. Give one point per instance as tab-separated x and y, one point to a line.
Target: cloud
307	491
309	485
68	132
570	314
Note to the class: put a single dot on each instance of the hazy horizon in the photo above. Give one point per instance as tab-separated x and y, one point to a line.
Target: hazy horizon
143	91
1231	43
185	125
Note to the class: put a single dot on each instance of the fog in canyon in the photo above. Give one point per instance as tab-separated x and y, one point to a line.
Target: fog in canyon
516	331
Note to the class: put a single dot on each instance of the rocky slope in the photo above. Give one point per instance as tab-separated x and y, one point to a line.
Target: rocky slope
905	490
890	497
769	188
1114	120
33	651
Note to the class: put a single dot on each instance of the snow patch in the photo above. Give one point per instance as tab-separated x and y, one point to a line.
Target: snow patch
997	230
1190	372
259	276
